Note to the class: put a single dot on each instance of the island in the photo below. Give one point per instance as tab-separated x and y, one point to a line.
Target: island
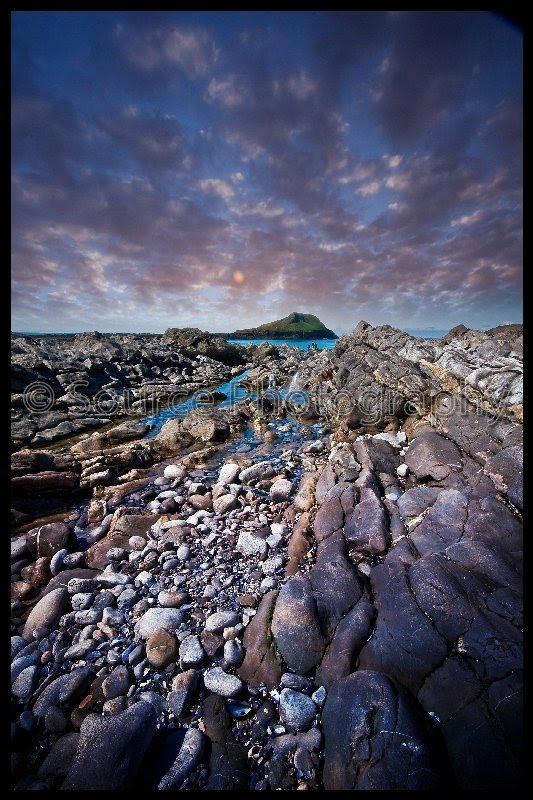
295	326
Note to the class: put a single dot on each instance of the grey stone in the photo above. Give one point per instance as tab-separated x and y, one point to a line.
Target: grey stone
47	612
111	749
158	619
220	620
222	683
187	759
297	711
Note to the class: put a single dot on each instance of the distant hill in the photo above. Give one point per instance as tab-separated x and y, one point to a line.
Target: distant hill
295	326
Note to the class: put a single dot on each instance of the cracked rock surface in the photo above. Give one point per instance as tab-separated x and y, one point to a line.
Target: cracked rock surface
329	602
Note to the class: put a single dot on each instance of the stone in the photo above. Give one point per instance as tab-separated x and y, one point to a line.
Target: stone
261	664
224	504
228	764
216	623
189	756
161	649
169	599
233	653
157	619
280	491
191	652
222	683
25	682
249	544
117	683
111	749
47	612
59	760
366	529
297	711
182	694
48	539
229	473
366	713
295	625
174	471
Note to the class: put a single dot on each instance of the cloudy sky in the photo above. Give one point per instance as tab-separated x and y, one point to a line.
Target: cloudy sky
224	169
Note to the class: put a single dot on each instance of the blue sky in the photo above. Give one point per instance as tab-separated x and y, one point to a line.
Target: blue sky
224	169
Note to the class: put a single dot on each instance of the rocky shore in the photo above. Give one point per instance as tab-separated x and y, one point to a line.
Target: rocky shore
317	587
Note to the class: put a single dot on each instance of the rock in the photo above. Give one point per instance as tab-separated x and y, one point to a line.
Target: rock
174	471
228	766
296	710
47	612
228	474
216	623
233	653
249	544
111	749
161	649
366	714
191	652
224	504
366	528
188	757
183	690
295	625
207	424
57	562
280	491
257	472
169	599
158	619
260	663
48	539
25	682
433	456
222	683
55	720
59	760
117	683
183	552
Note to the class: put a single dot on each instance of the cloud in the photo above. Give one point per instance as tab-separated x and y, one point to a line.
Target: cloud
154	47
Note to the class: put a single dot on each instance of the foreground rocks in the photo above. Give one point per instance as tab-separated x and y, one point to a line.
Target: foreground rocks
341	611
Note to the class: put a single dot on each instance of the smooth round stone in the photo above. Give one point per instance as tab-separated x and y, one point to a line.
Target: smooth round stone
58	561
113	617
161	649
114	706
171	472
183	552
157	619
229	473
224	504
137	542
220	682
233	653
296	710
117	683
73	560
402	471
172	599
191	652
280	491
216	623
25	682
170	564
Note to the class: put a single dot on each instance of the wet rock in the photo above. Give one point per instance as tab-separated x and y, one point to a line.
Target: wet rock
220	620
378	737
46	540
111	749
191	652
280	491
59	760
350	636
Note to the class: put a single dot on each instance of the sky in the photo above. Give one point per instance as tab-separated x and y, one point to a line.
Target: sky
223	169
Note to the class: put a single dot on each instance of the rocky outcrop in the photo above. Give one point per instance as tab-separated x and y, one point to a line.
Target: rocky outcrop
335	608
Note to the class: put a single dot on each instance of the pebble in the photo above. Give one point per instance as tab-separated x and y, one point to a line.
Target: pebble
222	683
233	653
183	553
216	623
57	562
25	682
161	649
402	471
117	683
191	652
296	710
156	619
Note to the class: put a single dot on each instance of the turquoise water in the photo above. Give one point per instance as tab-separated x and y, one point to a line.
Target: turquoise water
301	344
